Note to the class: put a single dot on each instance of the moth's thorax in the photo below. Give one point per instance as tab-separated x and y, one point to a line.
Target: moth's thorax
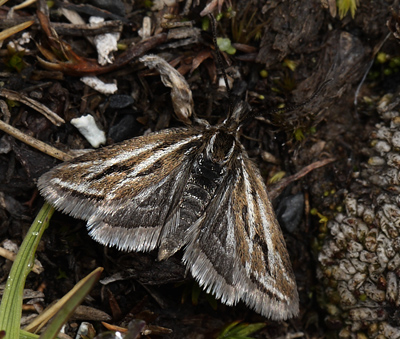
208	172
221	146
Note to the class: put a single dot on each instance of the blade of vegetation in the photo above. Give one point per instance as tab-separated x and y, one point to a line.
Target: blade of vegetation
26	335
24	4
227	329
71	301
65	306
347	5
236	330
15	29
11	303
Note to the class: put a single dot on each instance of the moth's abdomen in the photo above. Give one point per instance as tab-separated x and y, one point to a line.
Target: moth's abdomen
204	179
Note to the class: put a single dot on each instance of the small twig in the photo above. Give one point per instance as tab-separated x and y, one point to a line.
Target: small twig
84	30
91	10
10	22
23	5
276	189
186	9
40	145
177	24
11	256
63	28
15	29
91	66
48	113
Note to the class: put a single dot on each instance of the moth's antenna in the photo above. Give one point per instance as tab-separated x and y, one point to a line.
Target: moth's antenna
302	104
219	57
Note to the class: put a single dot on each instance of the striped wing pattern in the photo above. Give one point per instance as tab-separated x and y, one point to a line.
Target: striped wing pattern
137	196
238	252
124	191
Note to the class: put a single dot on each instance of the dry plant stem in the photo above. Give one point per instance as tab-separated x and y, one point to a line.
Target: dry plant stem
11	256
186	9
91	10
63	28
147	330
49	313
16	20
75	19
41	146
79	66
135	51
275	190
48	113
85	30
15	29
24	4
170	25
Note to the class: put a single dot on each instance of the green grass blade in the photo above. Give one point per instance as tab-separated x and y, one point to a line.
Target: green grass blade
11	303
237	330
228	328
27	335
73	300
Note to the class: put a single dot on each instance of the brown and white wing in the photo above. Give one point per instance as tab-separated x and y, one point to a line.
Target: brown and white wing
238	252
125	191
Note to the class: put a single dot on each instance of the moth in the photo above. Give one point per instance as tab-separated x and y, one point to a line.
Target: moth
192	188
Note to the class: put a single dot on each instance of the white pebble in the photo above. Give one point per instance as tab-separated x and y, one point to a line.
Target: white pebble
88	128
99	85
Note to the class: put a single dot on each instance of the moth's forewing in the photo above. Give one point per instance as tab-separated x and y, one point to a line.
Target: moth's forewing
125	191
270	268
238	251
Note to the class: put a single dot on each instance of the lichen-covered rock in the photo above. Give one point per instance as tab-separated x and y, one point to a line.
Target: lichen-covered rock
360	257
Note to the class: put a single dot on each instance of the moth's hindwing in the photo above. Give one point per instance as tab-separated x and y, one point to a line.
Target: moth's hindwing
125	191
238	251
